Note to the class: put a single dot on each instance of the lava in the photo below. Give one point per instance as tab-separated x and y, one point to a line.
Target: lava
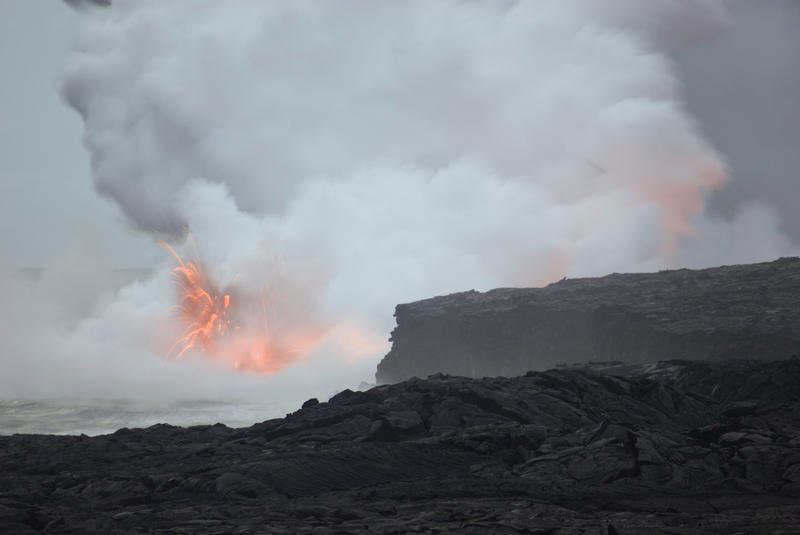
203	309
240	328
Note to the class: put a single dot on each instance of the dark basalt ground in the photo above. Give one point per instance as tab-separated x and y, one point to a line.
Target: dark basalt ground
673	447
730	312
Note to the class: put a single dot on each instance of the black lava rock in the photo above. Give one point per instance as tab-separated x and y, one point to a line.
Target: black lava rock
674	447
310	403
732	312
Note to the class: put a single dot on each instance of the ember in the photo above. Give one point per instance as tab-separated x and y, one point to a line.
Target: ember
203	309
233	326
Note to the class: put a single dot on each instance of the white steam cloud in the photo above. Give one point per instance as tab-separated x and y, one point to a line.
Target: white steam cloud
341	157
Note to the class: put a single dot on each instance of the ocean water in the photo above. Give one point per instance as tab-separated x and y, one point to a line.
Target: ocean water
91	416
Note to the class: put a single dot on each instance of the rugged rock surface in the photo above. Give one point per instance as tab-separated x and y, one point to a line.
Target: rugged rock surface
733	312
673	447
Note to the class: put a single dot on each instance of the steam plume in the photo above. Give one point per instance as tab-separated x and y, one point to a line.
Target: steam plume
343	157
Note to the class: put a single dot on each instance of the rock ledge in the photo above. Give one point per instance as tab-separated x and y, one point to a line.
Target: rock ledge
733	312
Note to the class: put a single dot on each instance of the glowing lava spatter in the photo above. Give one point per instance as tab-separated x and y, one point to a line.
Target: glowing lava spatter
203	309
233	327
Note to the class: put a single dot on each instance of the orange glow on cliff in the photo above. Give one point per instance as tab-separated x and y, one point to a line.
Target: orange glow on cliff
230	327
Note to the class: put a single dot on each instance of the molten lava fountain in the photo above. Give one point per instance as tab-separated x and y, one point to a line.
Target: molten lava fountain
230	326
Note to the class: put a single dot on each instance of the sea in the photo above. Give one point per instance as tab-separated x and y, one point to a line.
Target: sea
92	416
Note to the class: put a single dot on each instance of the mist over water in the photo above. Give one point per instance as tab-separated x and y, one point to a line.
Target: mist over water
339	158
99	416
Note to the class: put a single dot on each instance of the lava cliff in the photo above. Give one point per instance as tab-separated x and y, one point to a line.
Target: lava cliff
733	312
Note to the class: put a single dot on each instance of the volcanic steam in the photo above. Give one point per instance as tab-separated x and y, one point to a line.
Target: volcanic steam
332	159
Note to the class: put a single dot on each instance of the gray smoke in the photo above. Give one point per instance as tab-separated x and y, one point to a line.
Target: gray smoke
743	84
335	159
83	4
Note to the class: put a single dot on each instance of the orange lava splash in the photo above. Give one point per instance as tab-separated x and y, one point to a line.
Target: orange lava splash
233	326
203	309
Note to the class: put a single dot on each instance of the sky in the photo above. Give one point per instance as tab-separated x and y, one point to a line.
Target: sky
47	202
330	162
